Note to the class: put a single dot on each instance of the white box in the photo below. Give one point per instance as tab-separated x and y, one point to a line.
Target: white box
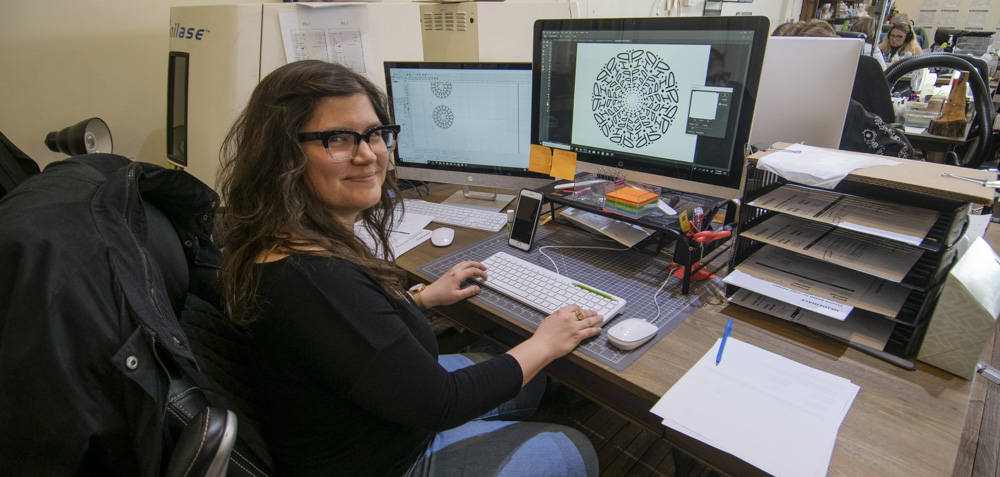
966	313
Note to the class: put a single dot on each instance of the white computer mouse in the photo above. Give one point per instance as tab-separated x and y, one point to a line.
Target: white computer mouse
443	236
631	333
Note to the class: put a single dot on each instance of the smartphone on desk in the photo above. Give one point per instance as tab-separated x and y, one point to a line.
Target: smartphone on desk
529	208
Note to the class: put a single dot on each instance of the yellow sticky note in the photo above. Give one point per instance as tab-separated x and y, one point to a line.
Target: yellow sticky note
563	164
685	224
540	159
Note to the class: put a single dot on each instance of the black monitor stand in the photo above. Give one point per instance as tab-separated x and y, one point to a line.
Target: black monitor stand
687	253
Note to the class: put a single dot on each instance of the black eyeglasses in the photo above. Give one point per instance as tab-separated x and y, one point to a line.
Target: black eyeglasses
342	145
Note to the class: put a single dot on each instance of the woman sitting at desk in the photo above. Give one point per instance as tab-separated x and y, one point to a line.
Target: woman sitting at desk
900	43
348	367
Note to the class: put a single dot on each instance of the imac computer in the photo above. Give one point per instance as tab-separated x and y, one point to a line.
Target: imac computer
669	101
791	106
463	123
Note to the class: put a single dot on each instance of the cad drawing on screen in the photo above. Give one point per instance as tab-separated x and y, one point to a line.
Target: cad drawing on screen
635	98
443	117
441	89
466	123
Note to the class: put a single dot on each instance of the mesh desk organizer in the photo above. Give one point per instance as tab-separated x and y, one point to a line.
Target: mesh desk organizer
687	252
632	274
925	278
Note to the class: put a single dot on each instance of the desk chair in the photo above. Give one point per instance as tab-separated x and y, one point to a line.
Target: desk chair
872	90
67	284
15	166
980	137
851	34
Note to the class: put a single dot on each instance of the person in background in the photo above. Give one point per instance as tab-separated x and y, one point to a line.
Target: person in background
780	30
347	365
867	25
900	43
814	27
863	131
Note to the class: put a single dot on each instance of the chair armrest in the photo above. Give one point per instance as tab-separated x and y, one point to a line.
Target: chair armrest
185	404
203	449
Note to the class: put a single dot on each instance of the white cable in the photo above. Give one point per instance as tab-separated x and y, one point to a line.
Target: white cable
670	273
556	267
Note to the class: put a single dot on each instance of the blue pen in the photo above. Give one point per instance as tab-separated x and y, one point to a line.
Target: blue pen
725	336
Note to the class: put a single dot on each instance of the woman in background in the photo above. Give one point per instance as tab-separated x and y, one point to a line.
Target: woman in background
347	365
900	43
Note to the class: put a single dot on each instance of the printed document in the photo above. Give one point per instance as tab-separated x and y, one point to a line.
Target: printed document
406	233
860	326
331	32
829	308
902	223
822	280
774	413
873	255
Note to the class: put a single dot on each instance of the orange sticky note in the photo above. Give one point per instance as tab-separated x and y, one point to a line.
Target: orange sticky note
540	159
563	164
633	196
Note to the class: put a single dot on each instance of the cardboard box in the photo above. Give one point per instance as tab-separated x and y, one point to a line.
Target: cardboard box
965	314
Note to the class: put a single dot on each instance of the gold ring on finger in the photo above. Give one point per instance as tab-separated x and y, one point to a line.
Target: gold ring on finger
579	315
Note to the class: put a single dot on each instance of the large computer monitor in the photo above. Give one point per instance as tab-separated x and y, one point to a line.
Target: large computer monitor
790	106
463	123
668	100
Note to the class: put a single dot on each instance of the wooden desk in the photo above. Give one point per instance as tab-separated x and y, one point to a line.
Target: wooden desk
901	423
935	146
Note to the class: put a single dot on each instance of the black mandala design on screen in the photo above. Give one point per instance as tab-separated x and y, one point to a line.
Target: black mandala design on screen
635	98
441	89
443	117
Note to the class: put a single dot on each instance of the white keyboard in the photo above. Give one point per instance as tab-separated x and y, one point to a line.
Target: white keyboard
545	290
457	215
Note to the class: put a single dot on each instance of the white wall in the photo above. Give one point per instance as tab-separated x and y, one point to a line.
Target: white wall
952	14
69	60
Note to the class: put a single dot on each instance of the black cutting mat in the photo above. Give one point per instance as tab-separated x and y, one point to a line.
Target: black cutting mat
631	274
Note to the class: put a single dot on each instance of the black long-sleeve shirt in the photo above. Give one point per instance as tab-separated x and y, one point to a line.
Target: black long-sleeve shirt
349	374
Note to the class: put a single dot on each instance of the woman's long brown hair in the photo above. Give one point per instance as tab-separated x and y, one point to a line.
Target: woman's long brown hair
269	206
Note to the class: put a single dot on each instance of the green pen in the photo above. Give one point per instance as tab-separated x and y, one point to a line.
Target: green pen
605	295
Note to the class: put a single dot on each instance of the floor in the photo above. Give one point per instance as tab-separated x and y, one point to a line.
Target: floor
623	449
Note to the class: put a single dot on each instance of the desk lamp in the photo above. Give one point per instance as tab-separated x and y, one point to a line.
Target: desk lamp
85	137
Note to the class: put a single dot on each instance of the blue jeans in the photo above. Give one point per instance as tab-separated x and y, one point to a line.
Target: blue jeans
495	447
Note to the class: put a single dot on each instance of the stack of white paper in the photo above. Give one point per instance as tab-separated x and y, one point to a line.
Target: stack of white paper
776	414
406	233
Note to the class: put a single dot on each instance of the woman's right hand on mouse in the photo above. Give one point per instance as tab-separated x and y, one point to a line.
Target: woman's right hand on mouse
557	335
563	330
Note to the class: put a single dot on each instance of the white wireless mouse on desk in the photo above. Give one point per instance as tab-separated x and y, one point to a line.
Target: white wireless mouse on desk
443	236
631	333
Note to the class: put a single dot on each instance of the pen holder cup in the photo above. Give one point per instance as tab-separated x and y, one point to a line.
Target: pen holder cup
631	199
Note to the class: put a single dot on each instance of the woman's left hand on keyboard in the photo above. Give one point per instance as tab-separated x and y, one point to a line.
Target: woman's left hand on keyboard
448	289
